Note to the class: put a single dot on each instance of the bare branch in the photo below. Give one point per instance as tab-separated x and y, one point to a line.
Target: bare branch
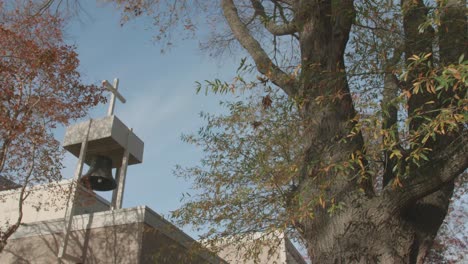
280	9
275	29
253	47
3	151
22	197
288	2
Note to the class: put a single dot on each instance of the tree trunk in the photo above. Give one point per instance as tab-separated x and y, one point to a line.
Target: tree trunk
367	231
397	226
370	233
363	236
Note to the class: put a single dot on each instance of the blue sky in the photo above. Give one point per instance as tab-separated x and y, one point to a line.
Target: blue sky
161	99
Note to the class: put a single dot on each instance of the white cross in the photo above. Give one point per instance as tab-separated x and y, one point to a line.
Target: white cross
115	93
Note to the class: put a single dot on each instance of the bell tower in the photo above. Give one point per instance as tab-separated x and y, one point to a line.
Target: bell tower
103	144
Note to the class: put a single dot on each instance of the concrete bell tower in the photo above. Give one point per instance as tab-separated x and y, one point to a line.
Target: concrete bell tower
103	144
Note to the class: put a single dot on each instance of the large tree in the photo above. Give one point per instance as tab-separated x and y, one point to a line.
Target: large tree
40	89
360	155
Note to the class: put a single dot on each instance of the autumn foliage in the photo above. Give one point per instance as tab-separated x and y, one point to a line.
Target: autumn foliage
40	88
357	134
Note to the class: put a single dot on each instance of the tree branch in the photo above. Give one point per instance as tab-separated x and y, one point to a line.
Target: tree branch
452	34
3	152
343	14
253	47
275	29
443	168
389	124
390	114
22	197
280	9
415	14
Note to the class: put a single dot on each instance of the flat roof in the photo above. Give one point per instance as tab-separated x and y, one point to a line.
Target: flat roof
140	214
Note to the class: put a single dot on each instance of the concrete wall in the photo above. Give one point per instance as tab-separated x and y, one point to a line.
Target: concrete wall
259	248
234	254
47	202
115	244
159	248
131	235
165	243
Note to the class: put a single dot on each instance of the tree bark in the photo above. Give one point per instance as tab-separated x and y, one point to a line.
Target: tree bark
363	236
381	229
399	225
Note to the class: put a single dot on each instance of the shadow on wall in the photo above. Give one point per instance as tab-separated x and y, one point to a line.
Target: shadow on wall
120	236
108	244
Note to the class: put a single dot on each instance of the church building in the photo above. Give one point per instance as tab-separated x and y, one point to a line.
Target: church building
67	222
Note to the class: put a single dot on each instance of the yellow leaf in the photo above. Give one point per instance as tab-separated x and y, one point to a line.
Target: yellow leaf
397	182
407	94
322	202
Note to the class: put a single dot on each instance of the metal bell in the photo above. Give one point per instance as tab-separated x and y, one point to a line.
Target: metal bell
99	177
